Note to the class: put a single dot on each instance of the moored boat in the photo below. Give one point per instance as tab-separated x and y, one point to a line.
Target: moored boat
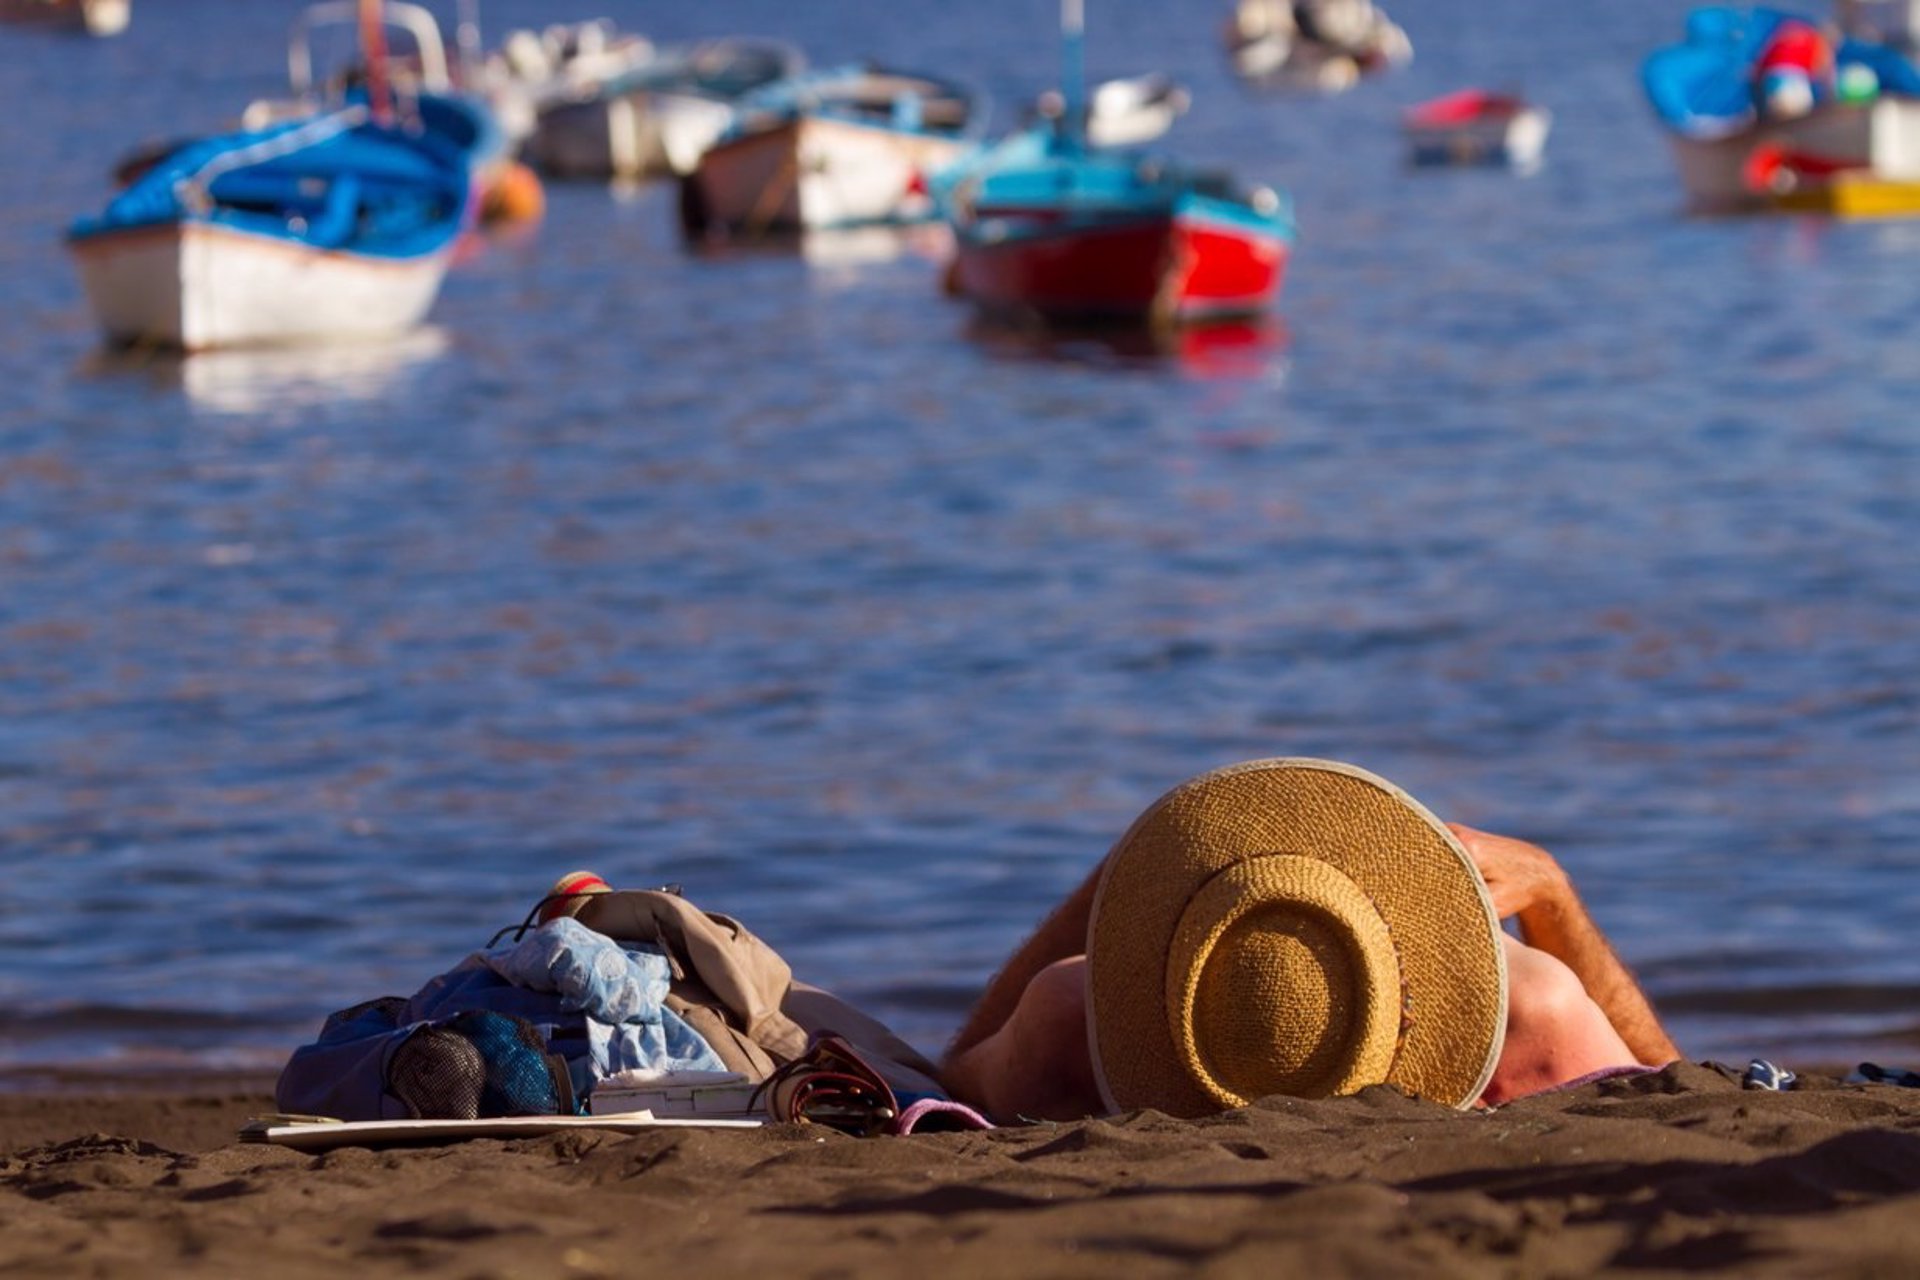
1109	238
1747	84
1069	233
95	17
659	118
853	146
1313	46
1476	127
333	226
563	62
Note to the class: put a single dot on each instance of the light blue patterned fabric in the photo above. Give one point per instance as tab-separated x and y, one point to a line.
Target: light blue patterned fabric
622	992
590	972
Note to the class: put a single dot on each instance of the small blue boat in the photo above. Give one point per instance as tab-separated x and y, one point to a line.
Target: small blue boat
332	226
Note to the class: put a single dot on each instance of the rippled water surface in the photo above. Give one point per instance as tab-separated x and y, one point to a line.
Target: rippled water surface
776	576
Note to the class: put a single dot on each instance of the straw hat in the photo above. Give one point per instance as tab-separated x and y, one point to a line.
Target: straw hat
1296	927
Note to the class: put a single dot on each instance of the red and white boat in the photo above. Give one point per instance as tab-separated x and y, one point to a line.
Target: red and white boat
1106	238
1476	127
1049	226
95	17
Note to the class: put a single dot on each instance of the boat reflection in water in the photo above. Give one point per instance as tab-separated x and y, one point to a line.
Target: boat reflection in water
1247	351
284	380
844	256
930	242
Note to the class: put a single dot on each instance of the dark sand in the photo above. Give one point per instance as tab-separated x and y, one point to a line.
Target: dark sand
1682	1171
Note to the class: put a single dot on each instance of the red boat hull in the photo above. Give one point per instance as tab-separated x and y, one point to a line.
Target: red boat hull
1162	267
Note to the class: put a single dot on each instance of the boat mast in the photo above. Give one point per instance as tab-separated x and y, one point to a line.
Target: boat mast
467	37
1073	76
373	50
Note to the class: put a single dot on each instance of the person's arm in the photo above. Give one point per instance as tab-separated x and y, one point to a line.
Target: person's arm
1060	935
1530	887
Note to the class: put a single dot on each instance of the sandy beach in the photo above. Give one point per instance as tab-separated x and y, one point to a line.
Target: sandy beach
1678	1171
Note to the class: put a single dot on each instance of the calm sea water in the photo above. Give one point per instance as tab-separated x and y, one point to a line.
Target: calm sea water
776	576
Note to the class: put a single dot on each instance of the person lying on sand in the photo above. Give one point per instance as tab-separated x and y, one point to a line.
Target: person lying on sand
1301	927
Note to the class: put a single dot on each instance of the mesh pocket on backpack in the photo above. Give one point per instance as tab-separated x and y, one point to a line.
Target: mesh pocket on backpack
478	1065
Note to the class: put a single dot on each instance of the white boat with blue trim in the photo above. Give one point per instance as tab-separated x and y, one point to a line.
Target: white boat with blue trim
854	146
334	226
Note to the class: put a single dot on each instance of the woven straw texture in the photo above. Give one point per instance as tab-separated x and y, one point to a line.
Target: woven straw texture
1290	945
1449	965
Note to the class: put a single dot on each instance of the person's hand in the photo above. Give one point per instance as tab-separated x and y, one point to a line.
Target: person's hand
1520	876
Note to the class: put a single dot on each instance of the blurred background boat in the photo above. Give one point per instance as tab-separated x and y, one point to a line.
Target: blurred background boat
844	147
1313	46
1110	238
1757	102
340	223
95	17
327	227
563	62
659	117
1054	227
1476	127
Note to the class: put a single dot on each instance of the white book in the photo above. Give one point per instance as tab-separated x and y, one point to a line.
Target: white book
716	1095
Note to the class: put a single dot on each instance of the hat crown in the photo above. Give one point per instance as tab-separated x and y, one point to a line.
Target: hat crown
1282	978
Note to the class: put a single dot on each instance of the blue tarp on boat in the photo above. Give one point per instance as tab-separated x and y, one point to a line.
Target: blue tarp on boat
1703	87
325	181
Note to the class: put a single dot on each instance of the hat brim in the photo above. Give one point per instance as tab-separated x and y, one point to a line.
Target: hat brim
1419	877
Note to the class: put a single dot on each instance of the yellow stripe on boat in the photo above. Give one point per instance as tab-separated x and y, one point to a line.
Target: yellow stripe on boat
1848	195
